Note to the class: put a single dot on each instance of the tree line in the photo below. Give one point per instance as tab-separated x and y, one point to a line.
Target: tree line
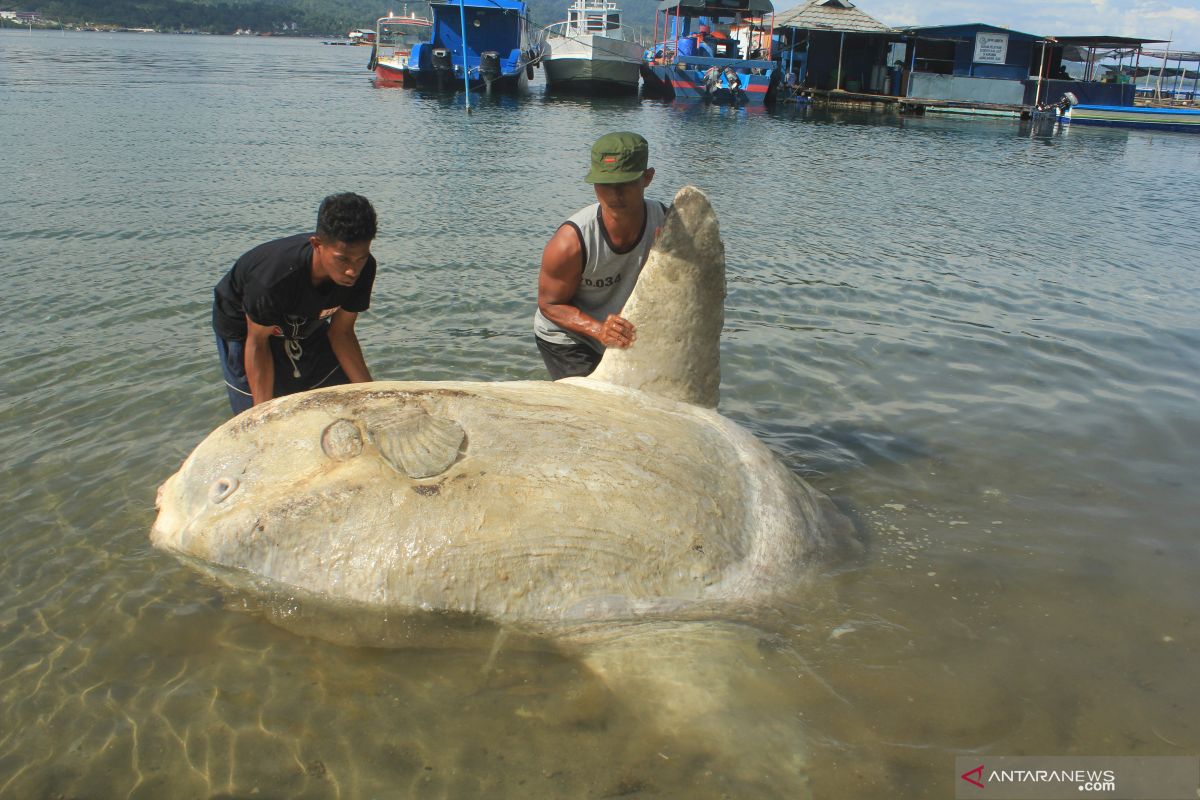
300	17
296	17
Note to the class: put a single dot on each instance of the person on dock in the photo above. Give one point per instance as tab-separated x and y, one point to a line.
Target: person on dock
592	262
284	314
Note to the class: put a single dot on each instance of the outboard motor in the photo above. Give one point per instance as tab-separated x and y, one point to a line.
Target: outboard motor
1066	102
489	67
712	80
442	65
732	79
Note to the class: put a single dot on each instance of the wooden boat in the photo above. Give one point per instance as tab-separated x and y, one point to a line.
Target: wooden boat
395	38
497	52
718	51
590	53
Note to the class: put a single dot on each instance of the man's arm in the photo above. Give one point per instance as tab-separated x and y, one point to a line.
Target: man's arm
562	270
260	368
345	346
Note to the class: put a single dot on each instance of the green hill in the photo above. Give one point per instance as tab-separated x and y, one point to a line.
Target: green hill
294	17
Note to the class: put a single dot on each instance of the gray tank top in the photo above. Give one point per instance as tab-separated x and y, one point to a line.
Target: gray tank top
608	276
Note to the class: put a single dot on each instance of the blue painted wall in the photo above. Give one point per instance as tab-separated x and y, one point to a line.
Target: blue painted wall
1023	49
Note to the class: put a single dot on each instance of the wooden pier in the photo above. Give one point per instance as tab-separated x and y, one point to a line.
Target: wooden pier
914	106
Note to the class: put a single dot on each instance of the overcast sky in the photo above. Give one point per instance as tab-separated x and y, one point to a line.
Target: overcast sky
1147	19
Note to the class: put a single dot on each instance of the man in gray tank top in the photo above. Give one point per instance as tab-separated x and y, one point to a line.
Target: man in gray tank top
592	262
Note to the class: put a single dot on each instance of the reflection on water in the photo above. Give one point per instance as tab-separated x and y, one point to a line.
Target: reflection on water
978	336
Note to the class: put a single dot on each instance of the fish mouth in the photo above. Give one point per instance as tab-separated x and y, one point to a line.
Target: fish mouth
168	524
160	534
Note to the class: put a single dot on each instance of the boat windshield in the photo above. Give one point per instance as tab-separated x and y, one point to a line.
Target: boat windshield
597	16
402	34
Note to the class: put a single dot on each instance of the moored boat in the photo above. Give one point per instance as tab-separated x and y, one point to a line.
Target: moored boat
1154	118
717	51
395	38
498	53
589	52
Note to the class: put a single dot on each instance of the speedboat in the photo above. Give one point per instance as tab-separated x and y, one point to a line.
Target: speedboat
589	52
497	53
718	51
394	40
1072	112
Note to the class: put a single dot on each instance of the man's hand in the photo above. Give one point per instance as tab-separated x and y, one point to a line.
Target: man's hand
617	331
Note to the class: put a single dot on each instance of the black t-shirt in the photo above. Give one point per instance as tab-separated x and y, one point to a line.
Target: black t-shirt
273	285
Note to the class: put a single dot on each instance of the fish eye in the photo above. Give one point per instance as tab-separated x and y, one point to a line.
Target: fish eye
221	489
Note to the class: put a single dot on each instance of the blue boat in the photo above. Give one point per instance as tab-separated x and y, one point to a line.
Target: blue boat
498	55
718	51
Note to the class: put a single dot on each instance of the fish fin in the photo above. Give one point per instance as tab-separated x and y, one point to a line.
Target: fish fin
415	443
677	309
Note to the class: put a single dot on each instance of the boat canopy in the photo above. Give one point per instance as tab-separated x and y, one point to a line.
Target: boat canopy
503	5
716	8
1104	42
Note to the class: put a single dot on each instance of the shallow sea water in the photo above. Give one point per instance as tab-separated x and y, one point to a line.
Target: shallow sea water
979	337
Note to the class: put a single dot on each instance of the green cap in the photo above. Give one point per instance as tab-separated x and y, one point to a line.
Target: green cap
618	157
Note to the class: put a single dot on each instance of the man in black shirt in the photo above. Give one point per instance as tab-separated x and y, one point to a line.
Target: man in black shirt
284	315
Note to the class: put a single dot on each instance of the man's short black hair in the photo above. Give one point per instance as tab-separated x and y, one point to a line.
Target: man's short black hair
346	217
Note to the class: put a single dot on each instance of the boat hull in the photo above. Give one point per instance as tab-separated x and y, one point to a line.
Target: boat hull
592	77
592	64
447	81
1171	119
675	82
396	74
497	44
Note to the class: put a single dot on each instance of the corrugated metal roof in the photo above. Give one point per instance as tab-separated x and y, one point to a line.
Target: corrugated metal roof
830	15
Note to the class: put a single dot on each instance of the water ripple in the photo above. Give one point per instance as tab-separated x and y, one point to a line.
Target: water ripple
979	337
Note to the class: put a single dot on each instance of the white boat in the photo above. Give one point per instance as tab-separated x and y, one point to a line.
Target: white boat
589	52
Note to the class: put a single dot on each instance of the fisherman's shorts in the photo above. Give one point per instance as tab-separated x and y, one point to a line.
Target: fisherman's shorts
311	363
568	360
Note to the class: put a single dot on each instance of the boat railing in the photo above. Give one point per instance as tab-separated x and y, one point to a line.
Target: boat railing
703	62
397	32
568	29
758	43
666	51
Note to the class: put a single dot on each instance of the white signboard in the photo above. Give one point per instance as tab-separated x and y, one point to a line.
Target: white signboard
991	48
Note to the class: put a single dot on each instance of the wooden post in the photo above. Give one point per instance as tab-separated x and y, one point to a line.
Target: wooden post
1166	55
1037	96
841	45
1137	65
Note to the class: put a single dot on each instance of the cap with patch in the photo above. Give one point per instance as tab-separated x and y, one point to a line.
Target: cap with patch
618	158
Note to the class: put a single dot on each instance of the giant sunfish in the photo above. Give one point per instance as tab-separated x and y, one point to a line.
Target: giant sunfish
620	512
527	502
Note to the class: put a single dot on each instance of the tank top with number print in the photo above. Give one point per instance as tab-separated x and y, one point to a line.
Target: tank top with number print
608	276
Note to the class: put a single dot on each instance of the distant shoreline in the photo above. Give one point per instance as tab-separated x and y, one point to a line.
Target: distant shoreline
42	27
